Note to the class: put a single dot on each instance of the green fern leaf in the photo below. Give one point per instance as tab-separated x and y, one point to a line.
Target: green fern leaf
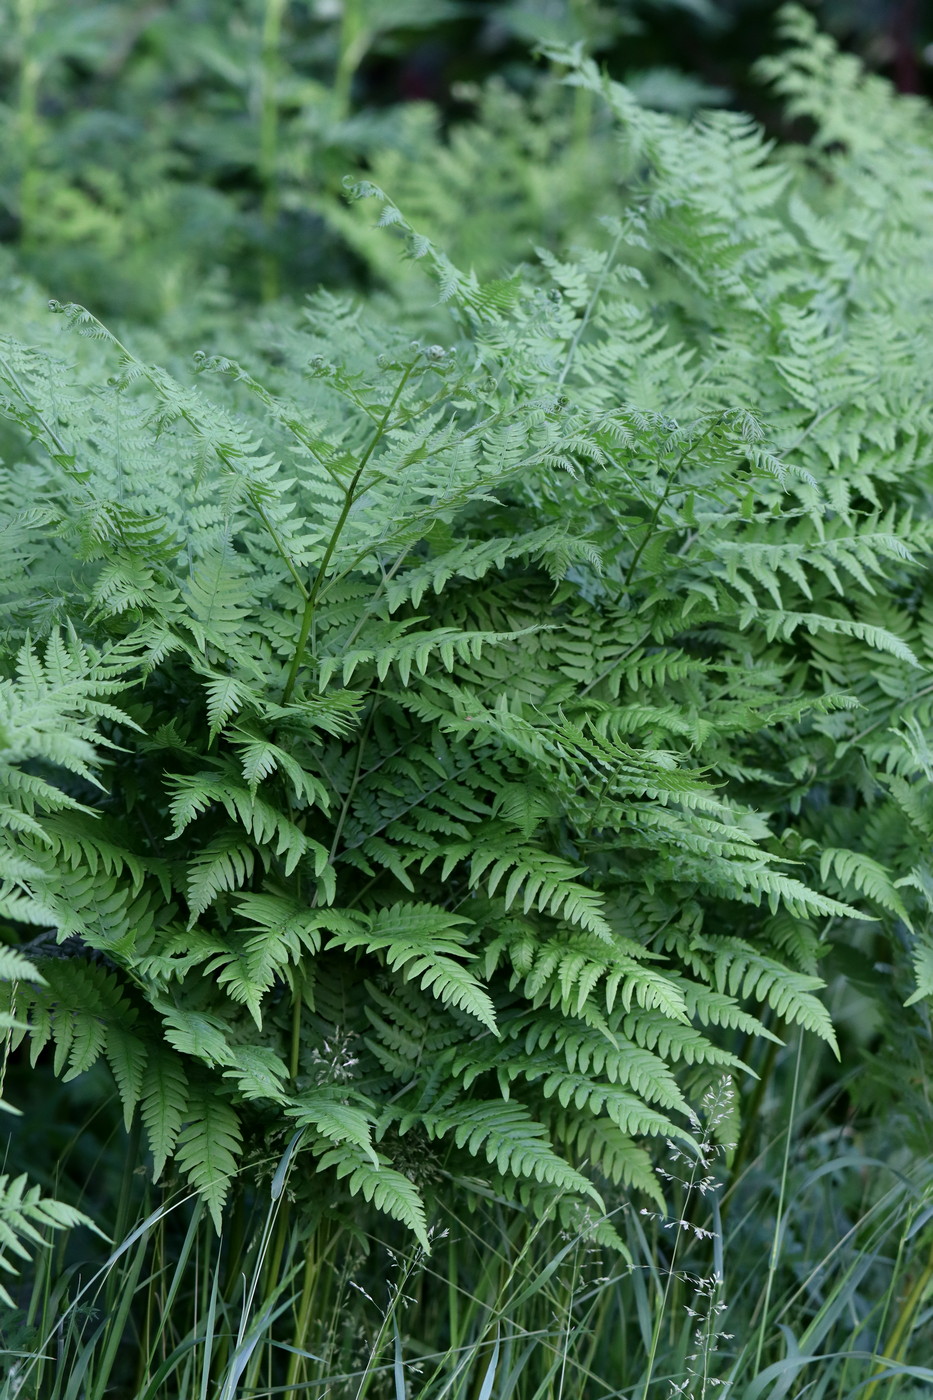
165	1098
207	1148
389	1190
334	1120
24	1214
418	939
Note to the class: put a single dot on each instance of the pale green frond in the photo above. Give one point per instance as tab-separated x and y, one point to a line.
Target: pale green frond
208	1147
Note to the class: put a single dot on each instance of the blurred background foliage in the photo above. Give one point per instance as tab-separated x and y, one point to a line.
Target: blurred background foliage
151	153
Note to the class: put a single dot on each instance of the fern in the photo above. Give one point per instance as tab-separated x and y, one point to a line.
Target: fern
418	940
390	1191
24	1211
24	1214
207	1148
510	1140
457	729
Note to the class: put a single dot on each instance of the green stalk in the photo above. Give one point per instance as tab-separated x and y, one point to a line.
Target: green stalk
150	1356
350	496
754	1107
320	1243
296	1364
453	1295
268	142
590	308
354	40
42	1309
276	1232
122	1222
662	501
779	1218
28	121
388	1317
669	1282
896	1345
104	1359
583	96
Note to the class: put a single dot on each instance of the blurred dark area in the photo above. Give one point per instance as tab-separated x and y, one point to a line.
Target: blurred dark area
716	41
154	153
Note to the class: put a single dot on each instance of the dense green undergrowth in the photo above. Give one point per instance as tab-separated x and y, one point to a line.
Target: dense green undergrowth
150	149
150	152
449	741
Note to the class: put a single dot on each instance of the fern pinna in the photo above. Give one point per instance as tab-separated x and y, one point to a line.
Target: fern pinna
437	748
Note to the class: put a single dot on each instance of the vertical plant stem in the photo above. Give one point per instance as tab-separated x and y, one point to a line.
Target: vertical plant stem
590	308
751	1114
294	1054
453	1295
779	1217
669	1282
28	123
307	618
319	1245
353	39
396	1300
894	1348
124	1204
662	501
269	141
40	1309
583	96
282	1230
296	1363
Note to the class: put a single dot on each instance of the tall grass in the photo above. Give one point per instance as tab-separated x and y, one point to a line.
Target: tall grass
804	1268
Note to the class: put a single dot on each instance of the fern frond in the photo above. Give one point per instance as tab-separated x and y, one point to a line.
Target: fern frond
226	863
24	1214
164	1103
510	1139
334	1120
14	967
390	1191
207	1148
423	943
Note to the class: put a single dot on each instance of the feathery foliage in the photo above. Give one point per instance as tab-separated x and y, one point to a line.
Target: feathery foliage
447	746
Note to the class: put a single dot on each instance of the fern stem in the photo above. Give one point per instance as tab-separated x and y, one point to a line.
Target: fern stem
649	531
821	417
590	308
427	792
583	97
13	378
294	1056
280	548
885	720
350	497
354	781
367	612
662	501
186	415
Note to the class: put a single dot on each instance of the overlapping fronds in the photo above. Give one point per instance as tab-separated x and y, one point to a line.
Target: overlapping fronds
459	748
